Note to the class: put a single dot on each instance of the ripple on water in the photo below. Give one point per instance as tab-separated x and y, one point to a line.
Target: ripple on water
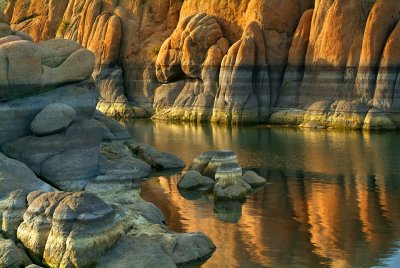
332	199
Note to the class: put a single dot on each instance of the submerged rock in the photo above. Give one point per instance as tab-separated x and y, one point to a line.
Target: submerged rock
156	159
231	192
228	211
193	180
55	118
253	179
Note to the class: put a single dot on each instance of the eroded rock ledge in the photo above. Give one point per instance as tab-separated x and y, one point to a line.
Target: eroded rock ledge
313	63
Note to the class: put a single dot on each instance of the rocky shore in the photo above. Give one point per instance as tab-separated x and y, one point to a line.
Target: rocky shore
311	63
69	175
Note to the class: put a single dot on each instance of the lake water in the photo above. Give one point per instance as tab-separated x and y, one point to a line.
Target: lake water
332	199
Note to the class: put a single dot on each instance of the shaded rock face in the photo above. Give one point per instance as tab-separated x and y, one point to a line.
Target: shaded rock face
67	159
312	62
346	67
11	255
16	182
48	100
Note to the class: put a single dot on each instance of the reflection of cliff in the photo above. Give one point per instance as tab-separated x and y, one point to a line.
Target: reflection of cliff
308	222
338	205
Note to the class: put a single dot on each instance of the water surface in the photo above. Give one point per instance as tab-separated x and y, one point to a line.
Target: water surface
332	199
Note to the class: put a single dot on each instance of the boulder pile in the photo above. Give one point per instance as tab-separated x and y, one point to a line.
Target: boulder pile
220	171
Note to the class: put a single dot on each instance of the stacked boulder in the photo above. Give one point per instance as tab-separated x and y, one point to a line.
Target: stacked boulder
220	170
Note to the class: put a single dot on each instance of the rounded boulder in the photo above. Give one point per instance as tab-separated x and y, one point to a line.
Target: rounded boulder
53	119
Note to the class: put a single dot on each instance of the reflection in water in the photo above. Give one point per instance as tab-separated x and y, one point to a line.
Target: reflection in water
333	197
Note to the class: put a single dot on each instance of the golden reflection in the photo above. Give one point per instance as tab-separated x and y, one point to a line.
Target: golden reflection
333	197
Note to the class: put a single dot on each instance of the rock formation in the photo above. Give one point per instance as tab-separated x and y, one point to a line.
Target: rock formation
125	37
55	141
314	63
219	170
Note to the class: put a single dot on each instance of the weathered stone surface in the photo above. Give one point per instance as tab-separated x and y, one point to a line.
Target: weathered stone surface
231	192
289	93
66	159
52	119
11	255
186	50
45	235
201	161
30	67
229	184
108	233
378	120
156	159
5	30
193	180
16	181
118	160
244	90
282	59
112	129
9	38
17	115
166	250
218	159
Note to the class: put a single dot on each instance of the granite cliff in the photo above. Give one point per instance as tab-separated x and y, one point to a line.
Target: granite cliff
314	63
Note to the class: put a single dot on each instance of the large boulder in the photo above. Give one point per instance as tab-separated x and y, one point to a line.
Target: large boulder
56	239
186	50
80	229
244	89
34	68
165	249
